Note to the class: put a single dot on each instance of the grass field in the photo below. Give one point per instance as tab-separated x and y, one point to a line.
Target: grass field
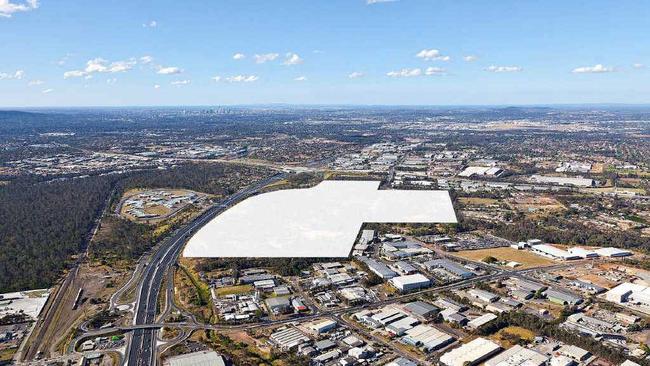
507	335
527	259
7	354
234	290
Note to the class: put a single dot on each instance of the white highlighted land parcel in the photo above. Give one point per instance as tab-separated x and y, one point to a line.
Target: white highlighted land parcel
322	221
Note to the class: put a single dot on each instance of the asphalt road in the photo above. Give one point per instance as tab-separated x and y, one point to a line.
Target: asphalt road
141	349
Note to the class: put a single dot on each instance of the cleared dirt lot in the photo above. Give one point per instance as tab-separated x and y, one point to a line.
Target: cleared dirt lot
526	258
533	204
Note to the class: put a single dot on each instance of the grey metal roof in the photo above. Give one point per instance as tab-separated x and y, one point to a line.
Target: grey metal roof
421	308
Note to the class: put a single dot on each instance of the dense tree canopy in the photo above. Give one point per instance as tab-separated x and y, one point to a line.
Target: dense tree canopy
44	224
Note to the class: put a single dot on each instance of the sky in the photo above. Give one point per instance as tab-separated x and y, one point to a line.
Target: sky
400	52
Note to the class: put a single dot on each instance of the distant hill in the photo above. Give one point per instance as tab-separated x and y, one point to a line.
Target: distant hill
14	114
22	122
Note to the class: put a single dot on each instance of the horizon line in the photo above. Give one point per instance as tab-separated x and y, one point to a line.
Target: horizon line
330	105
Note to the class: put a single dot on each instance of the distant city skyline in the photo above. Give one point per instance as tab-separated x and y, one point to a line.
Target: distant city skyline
347	52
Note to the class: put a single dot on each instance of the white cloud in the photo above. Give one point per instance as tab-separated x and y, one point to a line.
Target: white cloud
99	65
408	73
435	71
405	73
638	66
145	60
17	75
35	82
371	2
8	8
156	86
63	59
96	65
238	56
266	57
318	51
432	55
596	69
47	91
242	78
111	81
500	69
121	66
73	74
180	82
470	58
216	78
355	75
292	59
150	24
169	70
300	78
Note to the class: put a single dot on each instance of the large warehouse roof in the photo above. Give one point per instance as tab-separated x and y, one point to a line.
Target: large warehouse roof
322	221
470	353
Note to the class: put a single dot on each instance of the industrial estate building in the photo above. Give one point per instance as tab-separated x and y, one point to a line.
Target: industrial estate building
410	282
471	353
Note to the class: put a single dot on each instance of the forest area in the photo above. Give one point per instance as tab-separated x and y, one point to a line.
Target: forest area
43	225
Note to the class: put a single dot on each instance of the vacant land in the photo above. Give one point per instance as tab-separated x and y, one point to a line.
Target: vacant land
234	290
527	259
511	336
191	293
478	201
532	204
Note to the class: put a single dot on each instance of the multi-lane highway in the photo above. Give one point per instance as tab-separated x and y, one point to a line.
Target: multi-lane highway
142	346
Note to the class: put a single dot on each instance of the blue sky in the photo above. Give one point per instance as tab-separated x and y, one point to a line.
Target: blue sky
81	53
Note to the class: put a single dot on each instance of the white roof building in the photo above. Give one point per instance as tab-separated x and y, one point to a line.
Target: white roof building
401	326
613	252
322	326
427	337
562	360
470	353
288	338
629	363
630	292
518	356
410	282
553	252
201	358
574	352
563	181
481	320
622	292
583	253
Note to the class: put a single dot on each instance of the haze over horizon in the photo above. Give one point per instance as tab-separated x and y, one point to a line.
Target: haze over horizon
345	52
